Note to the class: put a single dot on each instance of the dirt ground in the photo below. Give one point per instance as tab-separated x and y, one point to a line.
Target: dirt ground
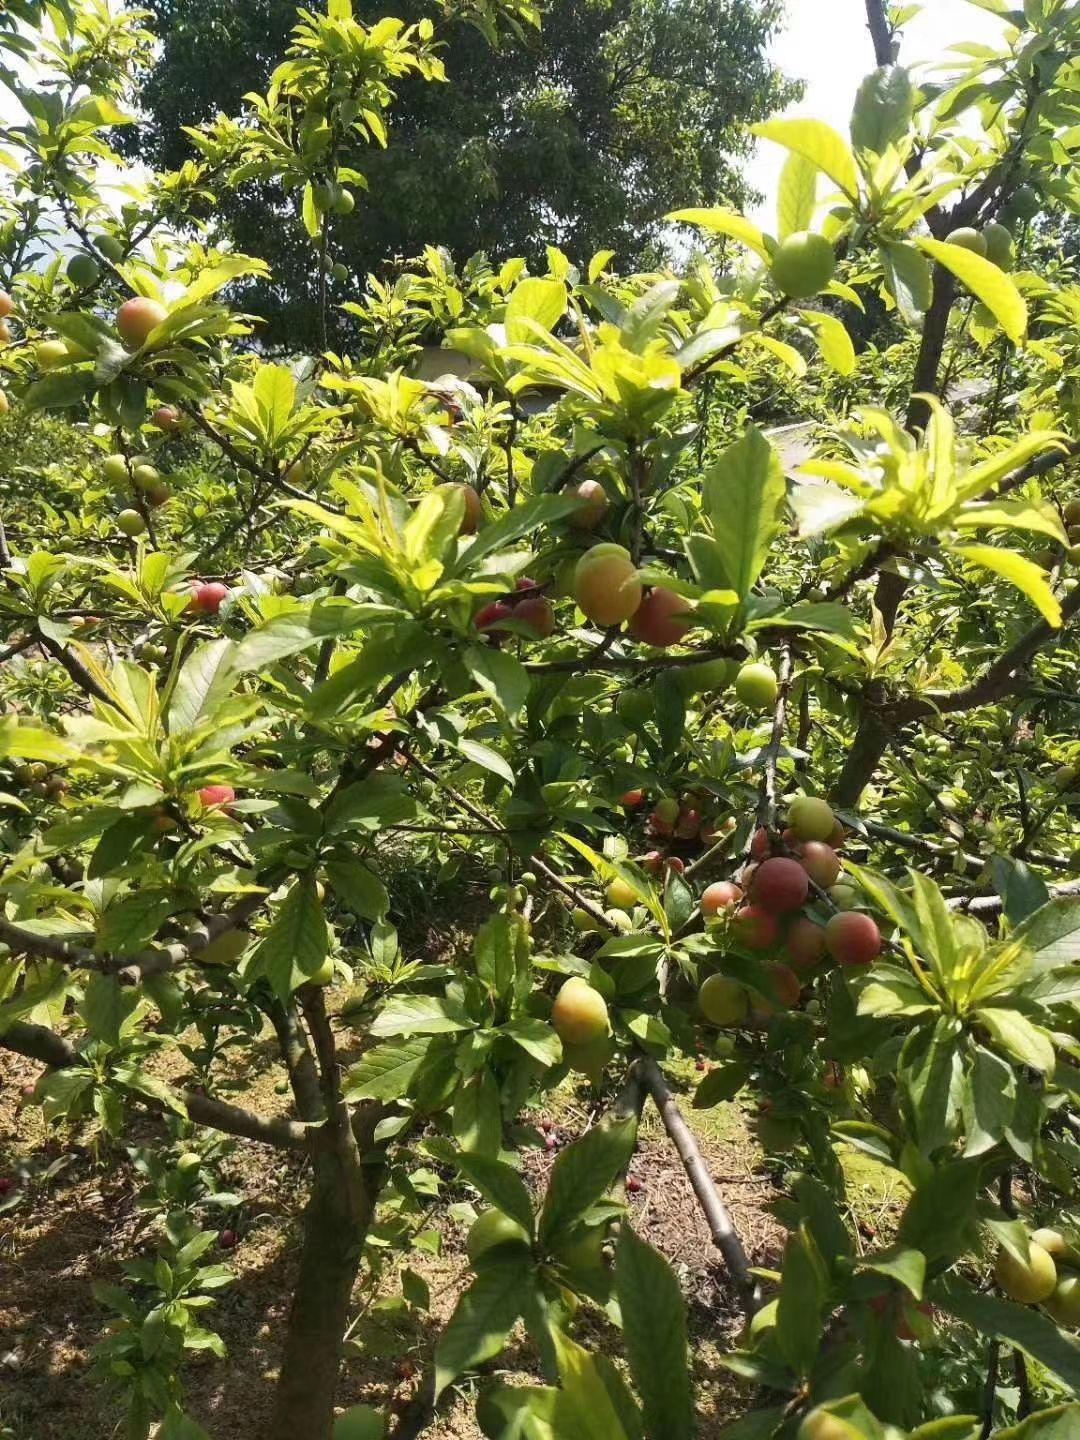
72	1219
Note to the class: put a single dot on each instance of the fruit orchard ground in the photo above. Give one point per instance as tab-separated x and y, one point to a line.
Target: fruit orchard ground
75	1227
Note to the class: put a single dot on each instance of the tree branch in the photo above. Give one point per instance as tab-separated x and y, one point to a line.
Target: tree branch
38	1042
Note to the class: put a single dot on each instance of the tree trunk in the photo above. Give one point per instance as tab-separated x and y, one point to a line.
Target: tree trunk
335	1226
870	744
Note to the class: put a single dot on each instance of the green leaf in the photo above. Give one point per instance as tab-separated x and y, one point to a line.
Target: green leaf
371	804
906	1266
725	222
496	953
584	1409
1038	516
385	1072
797	196
205	681
1022	1325
1053	933
954	1427
654	1332
1060	1423
487	759
819	143
804	1289
989	1101
420	1015
987	281
361	1422
500	675
482	1320
940	1210
477	1115
536	1038
723	1082
132	922
1019	571
57	392
883	109
357	887
539	300
1022	891
106	1006
296	944
299	630
499	1184
743	494
929	1074
583	1172
907	278
406	647
1025	1042
834	341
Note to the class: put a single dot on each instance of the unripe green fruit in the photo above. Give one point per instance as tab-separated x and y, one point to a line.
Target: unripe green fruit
51	354
1064	1304
130	523
756	686
585	1252
803	265
226	949
340	273
820	1425
621	895
635	707
490	1229
723	1001
1025	202
583	922
1028	1283
190	1160
967	239
590	1059
145	477
324	974
710	675
619	920
999	244
606	585
110	247
844	896
811	818
777	1134
344	202
580	1013
83	270
115	469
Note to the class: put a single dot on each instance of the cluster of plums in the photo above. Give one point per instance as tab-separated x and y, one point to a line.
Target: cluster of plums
1050	1276
38	779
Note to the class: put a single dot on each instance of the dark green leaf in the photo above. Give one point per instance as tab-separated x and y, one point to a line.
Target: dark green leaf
482	1321
1021	890
804	1291
883	109
583	1172
940	1210
654	1331
1022	1325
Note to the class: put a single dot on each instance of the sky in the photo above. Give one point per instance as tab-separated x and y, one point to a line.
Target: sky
826	43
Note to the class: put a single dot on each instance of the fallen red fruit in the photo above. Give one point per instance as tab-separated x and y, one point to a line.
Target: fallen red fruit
228	1239
7	1184
781	884
634	1187
853	938
207	597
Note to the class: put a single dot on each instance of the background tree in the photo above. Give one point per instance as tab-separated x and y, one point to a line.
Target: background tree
582	135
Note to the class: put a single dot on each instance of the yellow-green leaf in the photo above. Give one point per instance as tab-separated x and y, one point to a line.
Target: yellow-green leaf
1037	515
1019	571
786	353
986	281
726	222
797	195
836	348
819	143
